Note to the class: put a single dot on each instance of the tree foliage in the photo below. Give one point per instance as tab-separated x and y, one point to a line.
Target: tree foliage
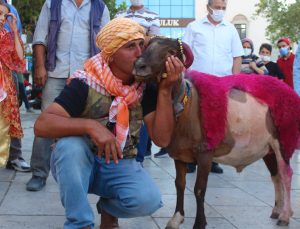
283	18
113	9
29	11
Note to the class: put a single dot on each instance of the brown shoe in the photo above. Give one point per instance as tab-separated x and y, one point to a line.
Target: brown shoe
108	221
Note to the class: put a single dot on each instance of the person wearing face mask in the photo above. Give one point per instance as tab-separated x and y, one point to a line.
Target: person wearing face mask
216	46
265	52
286	60
250	62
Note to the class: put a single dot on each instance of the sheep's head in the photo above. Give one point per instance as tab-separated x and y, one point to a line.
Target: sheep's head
150	66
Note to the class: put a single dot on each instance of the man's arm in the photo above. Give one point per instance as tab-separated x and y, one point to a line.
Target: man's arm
55	122
161	122
40	45
296	71
236	67
40	72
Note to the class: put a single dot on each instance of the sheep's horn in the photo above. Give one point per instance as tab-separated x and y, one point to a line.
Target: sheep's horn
189	57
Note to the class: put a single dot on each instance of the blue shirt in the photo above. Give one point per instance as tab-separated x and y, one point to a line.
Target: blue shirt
73	43
214	47
19	24
296	70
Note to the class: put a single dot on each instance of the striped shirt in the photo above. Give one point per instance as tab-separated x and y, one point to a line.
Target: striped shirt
146	18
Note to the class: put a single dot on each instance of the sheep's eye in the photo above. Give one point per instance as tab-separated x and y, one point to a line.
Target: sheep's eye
172	52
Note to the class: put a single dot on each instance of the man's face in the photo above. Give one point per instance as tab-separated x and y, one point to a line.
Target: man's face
124	58
265	52
282	44
217	5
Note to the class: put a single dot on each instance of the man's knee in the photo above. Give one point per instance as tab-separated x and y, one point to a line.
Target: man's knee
70	148
143	203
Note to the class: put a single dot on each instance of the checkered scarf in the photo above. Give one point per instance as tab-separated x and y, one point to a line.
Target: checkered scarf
98	76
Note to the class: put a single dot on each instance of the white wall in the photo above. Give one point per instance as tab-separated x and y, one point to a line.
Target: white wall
256	27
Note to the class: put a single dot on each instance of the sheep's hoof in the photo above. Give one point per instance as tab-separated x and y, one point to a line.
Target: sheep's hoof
282	223
274	215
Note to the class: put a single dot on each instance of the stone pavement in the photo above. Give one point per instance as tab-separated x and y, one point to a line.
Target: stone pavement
232	200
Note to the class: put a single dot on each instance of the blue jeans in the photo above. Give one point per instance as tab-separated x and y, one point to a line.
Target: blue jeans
144	144
126	190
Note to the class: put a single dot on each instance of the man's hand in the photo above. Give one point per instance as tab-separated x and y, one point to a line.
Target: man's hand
40	76
174	68
106	142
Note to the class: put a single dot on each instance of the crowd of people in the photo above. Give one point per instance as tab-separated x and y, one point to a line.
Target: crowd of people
92	109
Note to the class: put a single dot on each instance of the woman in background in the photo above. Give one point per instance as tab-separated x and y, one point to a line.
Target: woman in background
11	58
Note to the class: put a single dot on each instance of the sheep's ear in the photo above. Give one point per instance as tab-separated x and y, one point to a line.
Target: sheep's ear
189	56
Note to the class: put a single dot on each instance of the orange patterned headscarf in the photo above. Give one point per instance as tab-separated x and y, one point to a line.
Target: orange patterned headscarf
117	33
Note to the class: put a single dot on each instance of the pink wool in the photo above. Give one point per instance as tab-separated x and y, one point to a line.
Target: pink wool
283	102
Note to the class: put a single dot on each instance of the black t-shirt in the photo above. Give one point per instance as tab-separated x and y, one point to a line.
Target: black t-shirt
274	70
74	95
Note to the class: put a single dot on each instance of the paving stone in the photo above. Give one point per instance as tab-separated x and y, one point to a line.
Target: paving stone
6	174
231	197
249	217
212	223
31	222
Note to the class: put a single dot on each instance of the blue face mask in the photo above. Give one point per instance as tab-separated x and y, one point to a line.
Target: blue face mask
284	51
247	52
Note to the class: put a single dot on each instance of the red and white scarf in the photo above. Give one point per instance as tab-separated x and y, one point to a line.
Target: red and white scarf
98	76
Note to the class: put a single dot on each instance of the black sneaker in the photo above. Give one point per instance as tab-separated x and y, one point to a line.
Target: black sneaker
18	164
161	153
147	154
190	168
215	168
35	183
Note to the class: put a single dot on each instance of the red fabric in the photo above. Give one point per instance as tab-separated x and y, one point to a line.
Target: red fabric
283	102
286	67
285	39
9	61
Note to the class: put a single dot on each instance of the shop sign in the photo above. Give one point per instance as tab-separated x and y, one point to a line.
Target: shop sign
175	22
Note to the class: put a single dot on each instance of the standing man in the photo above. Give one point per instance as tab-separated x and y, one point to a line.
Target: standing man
296	70
216	46
150	21
286	60
67	30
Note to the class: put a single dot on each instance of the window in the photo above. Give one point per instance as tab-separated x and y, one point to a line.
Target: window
168	9
241	28
241	23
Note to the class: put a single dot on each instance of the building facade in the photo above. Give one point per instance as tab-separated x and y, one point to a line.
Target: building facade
176	14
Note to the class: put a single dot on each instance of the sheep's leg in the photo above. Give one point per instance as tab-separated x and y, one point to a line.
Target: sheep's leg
286	174
204	165
271	163
180	183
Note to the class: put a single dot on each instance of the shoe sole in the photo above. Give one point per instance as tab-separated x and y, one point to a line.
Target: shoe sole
20	169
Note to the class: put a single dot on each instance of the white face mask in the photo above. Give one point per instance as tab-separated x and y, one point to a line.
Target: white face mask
217	15
137	2
265	58
247	51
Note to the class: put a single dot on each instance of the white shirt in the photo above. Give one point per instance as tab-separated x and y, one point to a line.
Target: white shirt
73	43
214	47
145	17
